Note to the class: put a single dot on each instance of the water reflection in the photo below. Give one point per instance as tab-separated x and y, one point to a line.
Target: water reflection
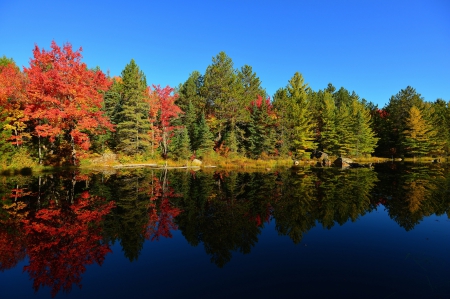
411	192
66	221
327	196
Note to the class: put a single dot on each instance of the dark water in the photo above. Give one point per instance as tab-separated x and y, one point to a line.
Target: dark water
311	233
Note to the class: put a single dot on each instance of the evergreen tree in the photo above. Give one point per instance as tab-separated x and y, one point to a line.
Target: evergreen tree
344	134
342	97
181	145
365	140
441	123
228	92
113	100
189	120
112	105
329	139
261	129
297	115
397	111
251	88
132	119
231	140
416	136
220	90
204	139
280	104
190	93
316	107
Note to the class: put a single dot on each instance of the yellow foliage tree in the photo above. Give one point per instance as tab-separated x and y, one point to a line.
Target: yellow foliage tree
418	135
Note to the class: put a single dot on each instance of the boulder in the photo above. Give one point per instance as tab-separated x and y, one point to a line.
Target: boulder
321	156
196	162
343	162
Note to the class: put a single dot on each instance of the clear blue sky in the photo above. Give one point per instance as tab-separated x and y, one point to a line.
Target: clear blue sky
375	48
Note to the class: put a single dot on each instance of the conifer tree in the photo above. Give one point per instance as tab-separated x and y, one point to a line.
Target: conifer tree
181	145
296	119
441	121
251	88
204	139
328	140
365	140
190	92
231	140
220	90
189	120
417	135
344	133
397	111
280	101
261	129
133	122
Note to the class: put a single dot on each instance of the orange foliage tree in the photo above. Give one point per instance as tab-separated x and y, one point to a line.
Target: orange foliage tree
12	96
65	98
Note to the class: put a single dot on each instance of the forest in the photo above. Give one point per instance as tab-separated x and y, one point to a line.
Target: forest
58	111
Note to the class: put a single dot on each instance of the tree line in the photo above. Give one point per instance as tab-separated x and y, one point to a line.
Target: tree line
57	110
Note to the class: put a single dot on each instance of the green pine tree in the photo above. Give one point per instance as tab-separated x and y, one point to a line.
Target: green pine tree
190	93
365	140
189	120
293	107
344	134
302	125
329	140
397	111
181	145
204	139
133	124
261	135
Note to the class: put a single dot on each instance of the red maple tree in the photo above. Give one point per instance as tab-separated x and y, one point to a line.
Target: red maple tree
64	97
163	110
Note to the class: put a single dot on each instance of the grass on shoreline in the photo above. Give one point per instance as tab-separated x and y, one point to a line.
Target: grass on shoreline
24	165
231	162
111	160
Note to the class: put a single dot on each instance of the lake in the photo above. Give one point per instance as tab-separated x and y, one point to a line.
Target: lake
310	232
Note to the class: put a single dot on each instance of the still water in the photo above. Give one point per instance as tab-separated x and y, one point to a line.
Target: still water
311	233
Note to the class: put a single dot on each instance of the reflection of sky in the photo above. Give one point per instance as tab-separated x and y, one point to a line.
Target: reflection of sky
371	257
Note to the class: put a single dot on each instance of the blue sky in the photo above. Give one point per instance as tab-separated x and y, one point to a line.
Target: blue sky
375	48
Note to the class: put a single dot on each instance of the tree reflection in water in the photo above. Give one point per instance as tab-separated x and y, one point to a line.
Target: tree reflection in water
414	191
63	240
64	222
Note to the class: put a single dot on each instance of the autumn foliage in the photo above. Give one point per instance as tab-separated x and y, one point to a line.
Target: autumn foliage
161	211
12	98
61	242
162	112
64	98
